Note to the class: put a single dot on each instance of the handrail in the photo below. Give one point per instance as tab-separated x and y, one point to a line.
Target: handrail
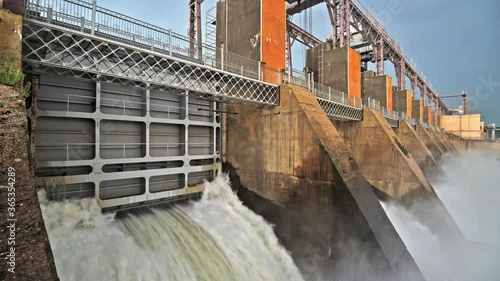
98	21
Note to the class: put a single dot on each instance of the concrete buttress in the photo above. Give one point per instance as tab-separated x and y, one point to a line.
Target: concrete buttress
292	156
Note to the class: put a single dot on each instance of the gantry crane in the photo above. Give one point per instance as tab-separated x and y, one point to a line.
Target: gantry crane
465	100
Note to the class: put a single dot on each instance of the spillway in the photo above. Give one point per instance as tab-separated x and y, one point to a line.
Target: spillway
471	194
216	238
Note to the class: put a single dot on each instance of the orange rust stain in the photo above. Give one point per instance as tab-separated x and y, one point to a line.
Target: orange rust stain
354	73
273	39
389	91
409	104
421	110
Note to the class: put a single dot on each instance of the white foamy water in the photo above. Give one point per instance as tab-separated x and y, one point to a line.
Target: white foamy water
422	243
216	239
471	193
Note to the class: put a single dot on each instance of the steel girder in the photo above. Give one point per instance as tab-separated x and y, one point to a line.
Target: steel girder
195	26
346	13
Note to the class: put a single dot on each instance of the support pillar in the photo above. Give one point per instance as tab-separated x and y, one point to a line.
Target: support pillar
400	69
418	109
428	115
378	88
402	102
292	156
255	30
341	69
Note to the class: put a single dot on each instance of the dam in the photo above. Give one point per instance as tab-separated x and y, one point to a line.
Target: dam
150	155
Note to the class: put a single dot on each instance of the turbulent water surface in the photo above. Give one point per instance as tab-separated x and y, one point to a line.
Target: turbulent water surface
216	238
471	193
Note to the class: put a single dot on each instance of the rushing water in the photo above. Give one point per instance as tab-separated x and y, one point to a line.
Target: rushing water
216	238
471	193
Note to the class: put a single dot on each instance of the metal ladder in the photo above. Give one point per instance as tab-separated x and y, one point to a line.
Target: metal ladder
320	65
210	33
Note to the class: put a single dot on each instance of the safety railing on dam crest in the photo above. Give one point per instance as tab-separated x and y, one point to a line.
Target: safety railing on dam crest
79	39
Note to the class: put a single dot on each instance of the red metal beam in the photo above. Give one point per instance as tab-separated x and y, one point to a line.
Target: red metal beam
195	46
301	35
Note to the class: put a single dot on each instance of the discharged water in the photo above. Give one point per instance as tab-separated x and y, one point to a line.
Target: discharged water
216	238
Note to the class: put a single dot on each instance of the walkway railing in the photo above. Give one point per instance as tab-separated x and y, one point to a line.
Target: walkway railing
85	16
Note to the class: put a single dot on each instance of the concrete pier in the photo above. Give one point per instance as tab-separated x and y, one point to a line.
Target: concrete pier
340	70
373	145
292	156
378	88
448	143
402	102
417	109
429	142
427	117
386	163
438	140
419	151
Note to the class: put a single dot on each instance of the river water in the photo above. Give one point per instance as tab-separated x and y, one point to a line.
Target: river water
216	238
471	194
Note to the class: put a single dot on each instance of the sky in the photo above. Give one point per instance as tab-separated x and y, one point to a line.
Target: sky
455	43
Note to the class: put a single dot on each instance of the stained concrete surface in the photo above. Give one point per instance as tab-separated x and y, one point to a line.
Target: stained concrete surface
292	156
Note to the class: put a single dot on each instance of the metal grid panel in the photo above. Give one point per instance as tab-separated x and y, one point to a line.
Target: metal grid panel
72	152
340	111
393	122
48	48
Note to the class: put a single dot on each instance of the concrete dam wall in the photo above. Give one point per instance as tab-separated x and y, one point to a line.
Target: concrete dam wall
292	156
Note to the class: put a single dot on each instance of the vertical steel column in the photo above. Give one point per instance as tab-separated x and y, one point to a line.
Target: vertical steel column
401	74
186	129
379	58
148	129
345	23
414	85
332	13
94	7
289	50
148	99
195	46
347	26
342	23
213	106
424	96
336	35
97	140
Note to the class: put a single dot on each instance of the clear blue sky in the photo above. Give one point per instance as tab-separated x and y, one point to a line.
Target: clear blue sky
455	43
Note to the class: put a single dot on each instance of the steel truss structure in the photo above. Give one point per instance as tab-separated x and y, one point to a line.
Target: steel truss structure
349	17
352	14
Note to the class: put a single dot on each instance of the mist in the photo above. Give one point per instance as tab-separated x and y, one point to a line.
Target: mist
471	193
